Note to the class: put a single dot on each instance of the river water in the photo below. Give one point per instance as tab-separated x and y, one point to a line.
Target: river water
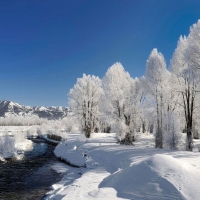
32	177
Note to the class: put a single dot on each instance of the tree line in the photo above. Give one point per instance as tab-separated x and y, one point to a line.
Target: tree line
164	101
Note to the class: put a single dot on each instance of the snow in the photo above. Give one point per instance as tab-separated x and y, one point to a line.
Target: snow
50	140
18	150
14	129
25	145
196	145
93	177
180	174
12	104
112	171
60	167
20	144
40	108
65	151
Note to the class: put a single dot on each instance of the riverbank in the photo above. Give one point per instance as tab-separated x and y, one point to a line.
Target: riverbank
54	142
111	171
11	149
32	176
14	142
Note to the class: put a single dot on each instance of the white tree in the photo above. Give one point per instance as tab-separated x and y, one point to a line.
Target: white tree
84	100
185	65
133	109
116	102
154	82
173	137
192	52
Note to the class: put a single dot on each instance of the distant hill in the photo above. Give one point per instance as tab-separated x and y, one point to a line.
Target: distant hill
8	108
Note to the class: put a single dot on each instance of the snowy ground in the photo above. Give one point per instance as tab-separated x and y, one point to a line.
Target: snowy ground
25	145
14	128
111	171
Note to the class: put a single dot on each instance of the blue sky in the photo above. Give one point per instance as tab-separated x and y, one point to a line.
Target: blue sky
46	45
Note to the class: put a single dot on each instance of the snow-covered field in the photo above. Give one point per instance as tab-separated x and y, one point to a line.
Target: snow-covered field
11	129
111	171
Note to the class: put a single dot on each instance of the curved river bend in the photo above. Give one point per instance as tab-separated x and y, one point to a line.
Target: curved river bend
32	177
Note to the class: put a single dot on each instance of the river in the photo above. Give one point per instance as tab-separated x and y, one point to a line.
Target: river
30	178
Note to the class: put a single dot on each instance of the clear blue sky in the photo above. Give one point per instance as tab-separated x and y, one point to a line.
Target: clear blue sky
45	45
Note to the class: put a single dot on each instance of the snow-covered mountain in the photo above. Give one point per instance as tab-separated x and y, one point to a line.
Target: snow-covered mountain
8	108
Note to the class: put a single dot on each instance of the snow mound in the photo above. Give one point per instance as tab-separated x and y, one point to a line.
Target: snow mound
24	145
72	154
183	176
159	177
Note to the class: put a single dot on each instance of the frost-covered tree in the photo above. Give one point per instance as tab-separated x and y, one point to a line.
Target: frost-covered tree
185	71
69	123
116	102
13	120
84	100
173	136
192	53
154	82
133	111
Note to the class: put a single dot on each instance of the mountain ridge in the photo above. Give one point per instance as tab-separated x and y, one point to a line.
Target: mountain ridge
10	108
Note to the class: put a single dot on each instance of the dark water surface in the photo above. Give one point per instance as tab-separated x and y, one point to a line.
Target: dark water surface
30	178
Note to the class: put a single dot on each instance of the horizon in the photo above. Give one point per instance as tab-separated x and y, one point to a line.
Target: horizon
46	46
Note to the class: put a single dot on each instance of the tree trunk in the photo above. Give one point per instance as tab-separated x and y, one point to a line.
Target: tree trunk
189	142
188	100
158	135
143	127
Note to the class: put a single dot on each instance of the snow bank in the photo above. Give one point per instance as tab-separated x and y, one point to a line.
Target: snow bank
25	145
70	154
180	174
90	191
159	177
14	146
126	172
84	187
74	150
